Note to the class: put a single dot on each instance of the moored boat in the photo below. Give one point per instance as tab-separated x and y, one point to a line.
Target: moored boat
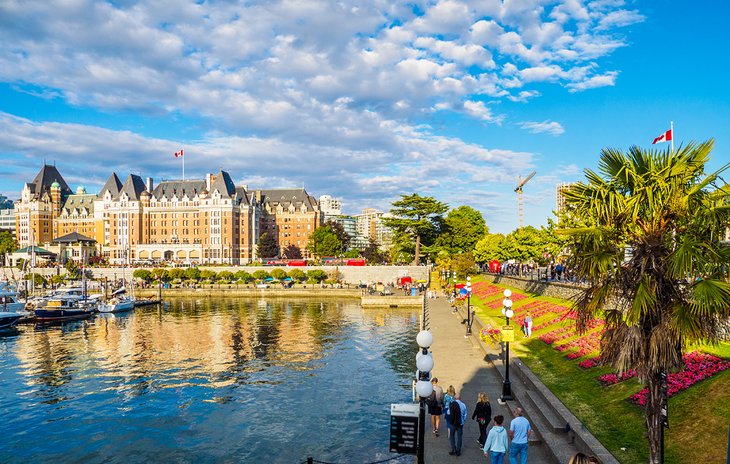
120	302
62	310
8	319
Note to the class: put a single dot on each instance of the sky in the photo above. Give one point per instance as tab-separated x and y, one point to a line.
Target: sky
361	100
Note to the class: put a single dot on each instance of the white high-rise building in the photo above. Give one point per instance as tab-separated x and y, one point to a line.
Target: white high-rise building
559	196
330	207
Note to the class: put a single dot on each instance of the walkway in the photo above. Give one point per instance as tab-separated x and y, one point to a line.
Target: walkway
460	362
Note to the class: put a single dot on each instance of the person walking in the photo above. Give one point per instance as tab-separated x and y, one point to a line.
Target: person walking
519	430
482	413
496	443
435	407
457	419
448	398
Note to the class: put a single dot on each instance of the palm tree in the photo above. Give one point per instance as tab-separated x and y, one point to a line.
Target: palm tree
646	234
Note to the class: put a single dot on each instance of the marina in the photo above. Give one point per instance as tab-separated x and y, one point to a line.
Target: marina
208	380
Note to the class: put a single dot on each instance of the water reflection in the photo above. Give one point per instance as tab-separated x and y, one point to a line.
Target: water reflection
210	379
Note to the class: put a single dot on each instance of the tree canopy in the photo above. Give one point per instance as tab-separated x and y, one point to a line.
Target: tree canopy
8	244
267	246
672	289
324	242
462	229
418	218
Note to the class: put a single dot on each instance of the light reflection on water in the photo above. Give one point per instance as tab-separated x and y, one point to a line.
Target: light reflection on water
208	380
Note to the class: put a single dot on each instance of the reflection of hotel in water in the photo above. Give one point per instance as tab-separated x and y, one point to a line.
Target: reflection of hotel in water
179	345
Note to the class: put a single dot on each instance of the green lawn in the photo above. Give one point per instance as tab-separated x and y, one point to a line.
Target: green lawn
699	416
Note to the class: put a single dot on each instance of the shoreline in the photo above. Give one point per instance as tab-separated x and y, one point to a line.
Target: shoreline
247	292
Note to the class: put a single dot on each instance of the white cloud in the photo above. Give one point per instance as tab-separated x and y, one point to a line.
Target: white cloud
479	110
551	127
524	96
601	80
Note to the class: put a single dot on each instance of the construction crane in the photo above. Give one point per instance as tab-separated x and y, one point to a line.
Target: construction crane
520	184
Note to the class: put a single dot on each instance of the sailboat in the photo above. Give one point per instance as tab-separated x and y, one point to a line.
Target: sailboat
120	301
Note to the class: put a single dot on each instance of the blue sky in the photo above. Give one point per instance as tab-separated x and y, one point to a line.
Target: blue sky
362	100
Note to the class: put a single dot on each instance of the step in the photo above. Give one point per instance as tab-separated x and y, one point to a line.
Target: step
549	418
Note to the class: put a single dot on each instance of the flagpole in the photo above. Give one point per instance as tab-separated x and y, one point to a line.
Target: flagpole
183	160
671	128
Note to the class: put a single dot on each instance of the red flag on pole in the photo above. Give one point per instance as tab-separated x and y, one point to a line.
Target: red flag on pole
665	137
179	154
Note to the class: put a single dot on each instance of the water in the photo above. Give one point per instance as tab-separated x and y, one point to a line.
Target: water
208	380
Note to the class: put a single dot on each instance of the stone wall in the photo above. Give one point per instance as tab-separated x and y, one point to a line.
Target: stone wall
538	287
350	274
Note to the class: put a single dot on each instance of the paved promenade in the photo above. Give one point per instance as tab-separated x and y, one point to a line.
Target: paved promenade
460	362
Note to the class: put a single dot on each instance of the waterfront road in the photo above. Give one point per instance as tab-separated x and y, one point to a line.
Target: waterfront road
460	362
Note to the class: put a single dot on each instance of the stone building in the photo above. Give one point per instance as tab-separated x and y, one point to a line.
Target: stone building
196	221
40	204
291	215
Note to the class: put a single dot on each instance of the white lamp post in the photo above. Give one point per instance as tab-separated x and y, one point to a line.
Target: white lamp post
424	364
508	313
469	319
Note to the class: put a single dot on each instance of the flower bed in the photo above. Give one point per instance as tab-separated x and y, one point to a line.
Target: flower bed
612	379
590	363
698	366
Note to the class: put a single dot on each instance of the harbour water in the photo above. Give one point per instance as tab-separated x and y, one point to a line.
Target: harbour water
208	380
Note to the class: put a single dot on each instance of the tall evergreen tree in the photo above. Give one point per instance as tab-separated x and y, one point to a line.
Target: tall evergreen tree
418	217
268	246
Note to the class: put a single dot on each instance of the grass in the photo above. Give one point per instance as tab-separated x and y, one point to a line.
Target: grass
698	417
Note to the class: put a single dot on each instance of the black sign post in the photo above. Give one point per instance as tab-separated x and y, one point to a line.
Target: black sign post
404	428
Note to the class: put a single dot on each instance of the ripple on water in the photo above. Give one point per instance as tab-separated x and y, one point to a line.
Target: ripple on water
224	380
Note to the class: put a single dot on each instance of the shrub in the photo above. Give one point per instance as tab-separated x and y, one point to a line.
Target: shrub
298	275
260	274
278	274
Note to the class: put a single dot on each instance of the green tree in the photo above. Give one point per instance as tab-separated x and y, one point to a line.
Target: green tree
339	231
192	273
674	290
316	275
225	276
355	253
7	245
489	248
463	228
278	274
260	275
418	218
267	246
372	252
291	252
298	275
525	244
324	242
209	275
243	276
464	264
176	273
142	274
72	269
160	274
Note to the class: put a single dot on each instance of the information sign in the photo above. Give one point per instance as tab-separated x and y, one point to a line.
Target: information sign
404	428
508	333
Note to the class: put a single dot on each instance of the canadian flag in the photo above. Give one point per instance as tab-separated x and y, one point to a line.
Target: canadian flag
665	137
178	154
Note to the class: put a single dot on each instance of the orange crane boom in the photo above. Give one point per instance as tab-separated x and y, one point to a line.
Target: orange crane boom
518	189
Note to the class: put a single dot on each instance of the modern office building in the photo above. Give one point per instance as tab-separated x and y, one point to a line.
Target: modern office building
370	225
7	214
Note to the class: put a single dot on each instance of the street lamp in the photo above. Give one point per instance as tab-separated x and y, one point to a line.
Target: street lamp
424	364
469	319
508	313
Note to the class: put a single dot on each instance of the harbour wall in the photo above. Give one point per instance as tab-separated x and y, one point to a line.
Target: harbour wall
349	274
